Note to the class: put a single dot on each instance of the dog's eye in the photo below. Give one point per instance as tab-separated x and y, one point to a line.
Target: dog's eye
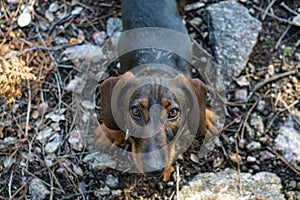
173	113
135	111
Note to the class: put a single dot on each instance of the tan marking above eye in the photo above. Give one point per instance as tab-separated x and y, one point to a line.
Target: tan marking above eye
144	103
165	102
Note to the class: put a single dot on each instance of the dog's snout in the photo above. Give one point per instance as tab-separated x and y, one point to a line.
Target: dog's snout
154	161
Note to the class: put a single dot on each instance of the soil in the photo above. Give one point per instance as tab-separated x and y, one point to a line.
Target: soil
69	177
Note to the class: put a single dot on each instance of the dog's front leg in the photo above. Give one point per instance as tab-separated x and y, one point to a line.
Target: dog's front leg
106	137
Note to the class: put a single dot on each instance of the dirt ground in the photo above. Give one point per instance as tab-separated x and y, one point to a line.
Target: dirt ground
40	45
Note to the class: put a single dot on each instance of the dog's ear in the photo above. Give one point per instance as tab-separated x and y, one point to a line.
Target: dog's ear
107	89
201	91
194	90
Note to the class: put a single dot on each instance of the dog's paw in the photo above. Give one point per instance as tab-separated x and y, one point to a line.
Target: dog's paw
106	137
211	120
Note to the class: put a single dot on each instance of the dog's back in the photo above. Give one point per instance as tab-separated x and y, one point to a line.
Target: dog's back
160	14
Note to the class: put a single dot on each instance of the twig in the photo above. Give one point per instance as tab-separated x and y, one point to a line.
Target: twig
282	36
272	120
288	8
284	160
266	81
289	110
9	184
247	116
177	179
274	16
59	91
18	190
54	48
267	9
50	54
28	111
239	168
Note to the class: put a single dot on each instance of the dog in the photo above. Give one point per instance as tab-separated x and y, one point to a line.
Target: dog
152	109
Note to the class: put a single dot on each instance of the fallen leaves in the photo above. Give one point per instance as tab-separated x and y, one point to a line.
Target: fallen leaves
13	71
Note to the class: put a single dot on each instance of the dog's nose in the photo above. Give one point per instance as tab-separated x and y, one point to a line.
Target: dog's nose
156	173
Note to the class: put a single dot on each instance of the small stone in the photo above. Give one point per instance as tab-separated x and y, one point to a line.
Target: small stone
115	193
60	40
296	20
104	191
256	167
77	10
242	81
251	159
170	183
49	15
111	181
196	21
52	146
194	158
253	146
13	1
24	19
257	123
99	37
293	184
54	7
241	95
38	190
113	25
250	131
261	105
194	6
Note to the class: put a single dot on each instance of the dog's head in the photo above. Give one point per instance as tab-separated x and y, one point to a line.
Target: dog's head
152	111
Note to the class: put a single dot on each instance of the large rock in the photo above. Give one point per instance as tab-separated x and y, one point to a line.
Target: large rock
288	142
233	34
225	185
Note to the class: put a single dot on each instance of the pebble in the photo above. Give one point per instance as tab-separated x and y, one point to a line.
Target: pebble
104	191
251	159
116	192
250	131
170	183
24	19
113	25
261	105
49	15
293	184
266	155
99	37
111	181
241	95
257	123
54	7
38	190
13	1
253	146
194	6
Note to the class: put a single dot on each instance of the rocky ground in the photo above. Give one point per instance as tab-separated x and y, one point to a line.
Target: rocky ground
40	153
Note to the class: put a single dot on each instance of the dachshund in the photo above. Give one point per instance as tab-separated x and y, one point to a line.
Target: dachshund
152	109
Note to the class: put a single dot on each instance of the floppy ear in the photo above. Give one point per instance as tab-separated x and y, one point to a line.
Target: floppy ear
196	116
201	91
107	88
